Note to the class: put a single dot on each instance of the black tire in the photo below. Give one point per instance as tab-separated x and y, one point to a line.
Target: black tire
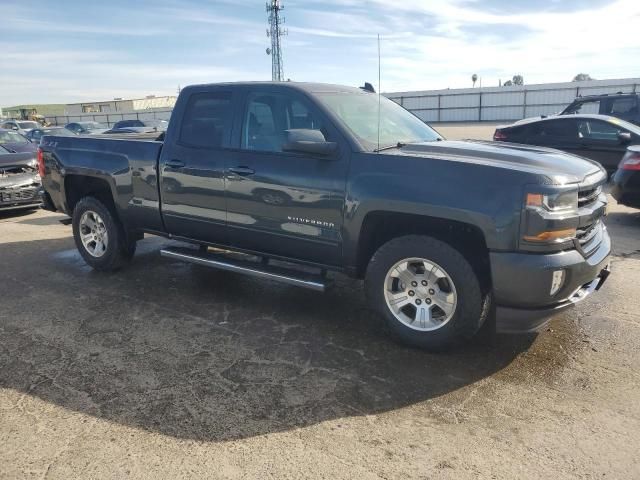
119	251
473	306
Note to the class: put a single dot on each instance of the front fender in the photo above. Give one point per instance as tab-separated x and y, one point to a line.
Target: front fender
484	197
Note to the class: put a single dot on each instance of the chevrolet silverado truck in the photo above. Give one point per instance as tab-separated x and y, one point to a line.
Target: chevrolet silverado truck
288	181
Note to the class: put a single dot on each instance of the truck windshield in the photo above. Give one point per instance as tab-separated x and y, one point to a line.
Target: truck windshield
359	112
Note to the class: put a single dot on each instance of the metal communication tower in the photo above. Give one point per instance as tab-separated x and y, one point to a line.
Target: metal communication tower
275	31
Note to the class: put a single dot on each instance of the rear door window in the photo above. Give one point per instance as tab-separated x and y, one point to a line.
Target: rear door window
207	120
566	129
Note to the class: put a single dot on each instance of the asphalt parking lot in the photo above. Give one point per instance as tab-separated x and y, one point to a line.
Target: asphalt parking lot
168	370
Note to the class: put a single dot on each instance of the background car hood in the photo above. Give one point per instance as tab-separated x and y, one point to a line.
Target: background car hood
21	147
18	159
559	167
13	179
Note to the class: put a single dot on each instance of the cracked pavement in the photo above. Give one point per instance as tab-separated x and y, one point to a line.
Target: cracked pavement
169	370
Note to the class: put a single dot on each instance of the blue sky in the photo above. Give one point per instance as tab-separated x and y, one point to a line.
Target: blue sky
71	50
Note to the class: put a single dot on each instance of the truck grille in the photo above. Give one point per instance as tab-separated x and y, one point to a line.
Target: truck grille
589	237
589	196
21	195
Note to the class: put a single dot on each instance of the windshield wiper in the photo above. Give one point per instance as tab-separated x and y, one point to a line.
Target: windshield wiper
389	147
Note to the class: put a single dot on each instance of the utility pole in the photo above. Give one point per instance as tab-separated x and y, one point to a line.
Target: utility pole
275	31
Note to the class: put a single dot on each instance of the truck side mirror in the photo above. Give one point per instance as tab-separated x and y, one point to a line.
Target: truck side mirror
624	137
305	140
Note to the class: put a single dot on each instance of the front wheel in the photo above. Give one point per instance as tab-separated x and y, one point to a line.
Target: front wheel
99	236
427	292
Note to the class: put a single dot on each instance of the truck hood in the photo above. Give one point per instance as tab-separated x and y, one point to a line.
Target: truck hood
18	160
560	168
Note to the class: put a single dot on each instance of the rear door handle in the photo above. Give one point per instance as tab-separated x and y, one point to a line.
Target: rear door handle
175	163
242	171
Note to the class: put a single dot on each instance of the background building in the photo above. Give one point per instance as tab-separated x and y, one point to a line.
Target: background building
121	105
26	111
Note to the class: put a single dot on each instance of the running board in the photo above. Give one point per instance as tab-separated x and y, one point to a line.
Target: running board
289	276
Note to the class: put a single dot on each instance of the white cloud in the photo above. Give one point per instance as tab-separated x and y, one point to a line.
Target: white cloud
425	44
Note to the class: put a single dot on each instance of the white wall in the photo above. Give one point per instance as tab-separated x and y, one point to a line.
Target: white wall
504	103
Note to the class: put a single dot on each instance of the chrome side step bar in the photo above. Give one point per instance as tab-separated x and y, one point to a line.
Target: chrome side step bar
261	270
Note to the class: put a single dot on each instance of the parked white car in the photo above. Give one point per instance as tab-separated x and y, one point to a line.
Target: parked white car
20	126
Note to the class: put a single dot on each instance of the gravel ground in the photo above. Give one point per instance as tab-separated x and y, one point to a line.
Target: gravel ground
167	370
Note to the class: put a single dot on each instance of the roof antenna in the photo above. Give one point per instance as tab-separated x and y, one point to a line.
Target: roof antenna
379	90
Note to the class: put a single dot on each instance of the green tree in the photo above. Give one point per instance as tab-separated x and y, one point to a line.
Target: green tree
582	77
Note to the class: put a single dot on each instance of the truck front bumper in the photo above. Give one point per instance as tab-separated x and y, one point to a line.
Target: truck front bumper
522	284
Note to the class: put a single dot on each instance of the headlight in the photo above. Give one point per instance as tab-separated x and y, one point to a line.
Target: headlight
550	218
556	202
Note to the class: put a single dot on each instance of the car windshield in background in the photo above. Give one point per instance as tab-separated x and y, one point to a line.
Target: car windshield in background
61	131
156	123
25	125
12	137
3	151
128	124
91	125
359	112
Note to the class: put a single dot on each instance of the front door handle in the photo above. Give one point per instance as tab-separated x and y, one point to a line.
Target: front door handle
242	171
175	163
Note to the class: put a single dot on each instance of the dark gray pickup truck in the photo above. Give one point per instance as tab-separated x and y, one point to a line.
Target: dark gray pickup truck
302	179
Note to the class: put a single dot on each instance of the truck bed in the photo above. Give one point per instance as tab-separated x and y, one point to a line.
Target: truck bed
127	164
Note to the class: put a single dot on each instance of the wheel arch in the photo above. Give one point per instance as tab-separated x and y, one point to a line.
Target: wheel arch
77	186
379	227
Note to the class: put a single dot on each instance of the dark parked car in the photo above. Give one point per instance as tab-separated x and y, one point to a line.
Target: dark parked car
20	185
15	142
36	134
626	181
86	128
139	126
335	178
598	137
625	106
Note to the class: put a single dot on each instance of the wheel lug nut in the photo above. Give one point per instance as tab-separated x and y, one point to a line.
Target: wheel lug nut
411	293
428	301
418	301
424	283
431	291
414	284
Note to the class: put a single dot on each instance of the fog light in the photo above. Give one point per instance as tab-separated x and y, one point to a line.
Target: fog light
556	281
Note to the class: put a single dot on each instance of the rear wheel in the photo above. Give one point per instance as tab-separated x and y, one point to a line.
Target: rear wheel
427	292
99	236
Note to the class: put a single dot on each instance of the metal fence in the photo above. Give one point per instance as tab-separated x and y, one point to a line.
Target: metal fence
504	103
109	119
459	105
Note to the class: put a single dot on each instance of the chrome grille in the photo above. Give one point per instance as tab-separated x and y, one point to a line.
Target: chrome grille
20	195
585	234
589	196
